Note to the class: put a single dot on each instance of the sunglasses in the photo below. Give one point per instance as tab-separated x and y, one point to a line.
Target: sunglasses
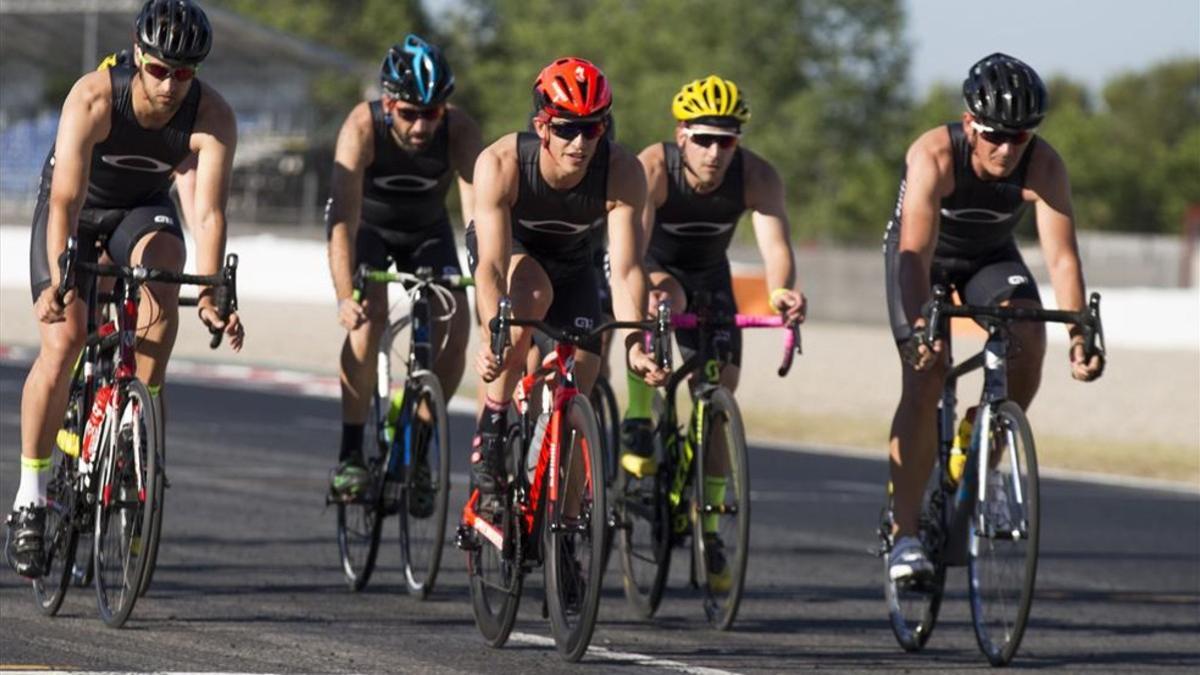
706	140
1001	137
414	114
569	130
161	72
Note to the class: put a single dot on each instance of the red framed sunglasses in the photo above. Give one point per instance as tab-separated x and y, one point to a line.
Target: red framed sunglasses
569	130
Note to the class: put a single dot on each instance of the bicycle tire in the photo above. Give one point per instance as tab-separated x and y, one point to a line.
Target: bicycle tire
573	608
1001	532
426	533
608	422
722	415
119	503
913	606
156	515
50	589
643	523
496	575
359	529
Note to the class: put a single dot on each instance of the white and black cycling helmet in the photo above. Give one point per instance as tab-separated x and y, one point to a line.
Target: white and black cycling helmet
173	30
1005	93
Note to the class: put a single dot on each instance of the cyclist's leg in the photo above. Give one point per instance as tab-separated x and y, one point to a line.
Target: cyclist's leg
151	236
357	365
1006	280
43	399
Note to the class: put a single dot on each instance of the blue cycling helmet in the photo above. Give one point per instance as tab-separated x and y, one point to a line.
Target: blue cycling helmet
416	72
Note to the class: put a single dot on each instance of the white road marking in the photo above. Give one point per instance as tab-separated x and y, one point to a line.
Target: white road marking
625	657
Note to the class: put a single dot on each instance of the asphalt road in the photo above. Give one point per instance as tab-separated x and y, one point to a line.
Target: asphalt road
248	577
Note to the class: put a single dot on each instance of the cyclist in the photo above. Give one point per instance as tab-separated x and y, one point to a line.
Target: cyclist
966	186
393	165
540	195
122	131
699	187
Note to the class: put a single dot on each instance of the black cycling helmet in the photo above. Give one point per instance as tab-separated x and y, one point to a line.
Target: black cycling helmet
173	30
416	72
1005	93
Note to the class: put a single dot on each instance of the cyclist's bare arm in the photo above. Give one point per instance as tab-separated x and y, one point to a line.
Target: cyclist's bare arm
654	163
928	178
214	140
768	212
1049	182
466	142
352	155
85	121
496	188
626	202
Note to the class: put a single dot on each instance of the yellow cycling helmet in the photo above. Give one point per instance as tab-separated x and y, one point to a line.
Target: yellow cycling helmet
711	97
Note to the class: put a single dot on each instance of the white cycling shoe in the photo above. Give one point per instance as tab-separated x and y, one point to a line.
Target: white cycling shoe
908	560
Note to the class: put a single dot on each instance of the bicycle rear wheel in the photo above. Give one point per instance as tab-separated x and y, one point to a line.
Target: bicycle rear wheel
426	487
494	570
1003	538
574	567
721	528
913	605
127	495
62	537
643	524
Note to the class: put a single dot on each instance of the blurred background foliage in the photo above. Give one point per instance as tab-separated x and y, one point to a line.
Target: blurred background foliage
833	107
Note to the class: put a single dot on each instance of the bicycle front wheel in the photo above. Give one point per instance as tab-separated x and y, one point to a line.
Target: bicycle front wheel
62	537
721	526
1003	536
608	422
426	486
156	513
574	532
359	529
126	498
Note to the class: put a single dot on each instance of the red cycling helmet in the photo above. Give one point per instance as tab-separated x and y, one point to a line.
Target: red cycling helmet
573	88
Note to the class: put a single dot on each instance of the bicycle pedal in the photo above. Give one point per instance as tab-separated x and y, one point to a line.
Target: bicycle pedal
466	540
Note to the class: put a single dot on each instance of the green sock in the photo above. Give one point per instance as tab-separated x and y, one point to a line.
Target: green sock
714	493
154	389
641	396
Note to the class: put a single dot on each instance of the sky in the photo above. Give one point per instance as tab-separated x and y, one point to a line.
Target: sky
1087	40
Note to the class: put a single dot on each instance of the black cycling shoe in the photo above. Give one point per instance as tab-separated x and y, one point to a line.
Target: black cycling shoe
421	498
637	448
487	463
25	545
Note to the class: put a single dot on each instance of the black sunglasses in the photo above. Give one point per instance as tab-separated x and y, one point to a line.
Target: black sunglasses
569	130
706	140
414	114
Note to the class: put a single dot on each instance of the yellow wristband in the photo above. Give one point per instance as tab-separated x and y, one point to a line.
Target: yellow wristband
775	295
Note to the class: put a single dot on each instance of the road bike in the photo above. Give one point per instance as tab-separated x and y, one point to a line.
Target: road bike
701	489
109	477
981	510
410	469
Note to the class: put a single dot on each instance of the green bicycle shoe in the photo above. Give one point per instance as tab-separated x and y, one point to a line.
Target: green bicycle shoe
350	480
637	443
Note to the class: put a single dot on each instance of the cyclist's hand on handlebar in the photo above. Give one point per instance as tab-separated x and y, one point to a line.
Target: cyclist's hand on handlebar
351	313
48	309
231	326
791	304
656	297
486	363
1083	368
644	366
917	352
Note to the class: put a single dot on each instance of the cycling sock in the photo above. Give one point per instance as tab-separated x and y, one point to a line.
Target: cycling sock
714	493
352	439
495	416
35	476
640	397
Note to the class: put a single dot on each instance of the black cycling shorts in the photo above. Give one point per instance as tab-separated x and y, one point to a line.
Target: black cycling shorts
988	279
434	248
114	231
716	282
576	302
